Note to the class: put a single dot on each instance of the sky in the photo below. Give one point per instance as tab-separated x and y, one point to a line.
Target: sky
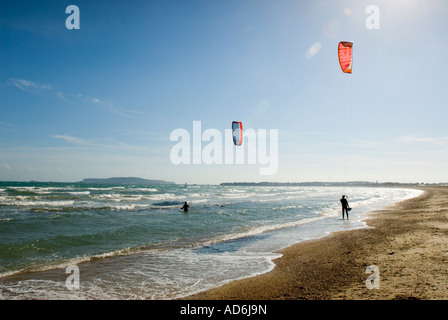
104	100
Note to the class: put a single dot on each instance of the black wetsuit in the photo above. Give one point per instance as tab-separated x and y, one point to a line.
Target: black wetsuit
344	203
185	207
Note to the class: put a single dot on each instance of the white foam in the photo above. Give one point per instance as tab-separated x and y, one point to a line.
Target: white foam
129	207
21	201
79	193
144	189
105	189
163	196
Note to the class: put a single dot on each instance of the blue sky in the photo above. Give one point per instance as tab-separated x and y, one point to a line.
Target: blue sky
103	100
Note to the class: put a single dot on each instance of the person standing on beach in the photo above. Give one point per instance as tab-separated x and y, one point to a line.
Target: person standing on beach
345	206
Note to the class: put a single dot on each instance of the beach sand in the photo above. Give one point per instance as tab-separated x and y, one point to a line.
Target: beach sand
408	243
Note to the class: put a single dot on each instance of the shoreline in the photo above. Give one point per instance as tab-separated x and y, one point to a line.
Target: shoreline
406	242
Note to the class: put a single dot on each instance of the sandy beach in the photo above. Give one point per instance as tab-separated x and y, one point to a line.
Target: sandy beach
407	242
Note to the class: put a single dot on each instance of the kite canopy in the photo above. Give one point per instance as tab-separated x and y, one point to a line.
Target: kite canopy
237	129
345	53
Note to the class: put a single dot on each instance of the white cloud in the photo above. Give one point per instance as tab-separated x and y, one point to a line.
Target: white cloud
6	166
30	86
41	89
6	125
101	146
63	98
427	140
249	29
96	100
105	105
313	50
74	140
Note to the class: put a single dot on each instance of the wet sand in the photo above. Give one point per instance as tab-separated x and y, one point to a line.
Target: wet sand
408	243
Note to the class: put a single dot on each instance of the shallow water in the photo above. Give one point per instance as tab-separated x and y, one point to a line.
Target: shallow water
134	242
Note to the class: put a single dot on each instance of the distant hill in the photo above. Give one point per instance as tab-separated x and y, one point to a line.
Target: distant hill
128	180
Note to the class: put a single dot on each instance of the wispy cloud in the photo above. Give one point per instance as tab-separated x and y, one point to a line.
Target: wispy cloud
7	125
313	50
249	29
89	143
111	107
74	99
64	98
427	140
75	140
96	100
30	86
5	166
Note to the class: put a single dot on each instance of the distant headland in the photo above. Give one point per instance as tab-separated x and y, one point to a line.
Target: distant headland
124	180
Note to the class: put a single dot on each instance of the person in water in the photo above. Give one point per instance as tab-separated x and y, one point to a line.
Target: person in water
185	206
345	206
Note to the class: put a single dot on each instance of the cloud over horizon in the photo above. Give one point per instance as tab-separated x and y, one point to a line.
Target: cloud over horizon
39	89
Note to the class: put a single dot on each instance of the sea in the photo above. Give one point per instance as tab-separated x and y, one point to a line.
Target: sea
109	242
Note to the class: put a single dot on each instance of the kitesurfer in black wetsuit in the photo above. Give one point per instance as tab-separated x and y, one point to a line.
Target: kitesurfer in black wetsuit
185	206
345	206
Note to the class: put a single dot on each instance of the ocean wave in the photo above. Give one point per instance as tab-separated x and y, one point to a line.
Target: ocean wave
28	203
79	193
64	263
116	197
121	197
143	190
37	190
168	203
254	231
127	207
22	191
104	189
